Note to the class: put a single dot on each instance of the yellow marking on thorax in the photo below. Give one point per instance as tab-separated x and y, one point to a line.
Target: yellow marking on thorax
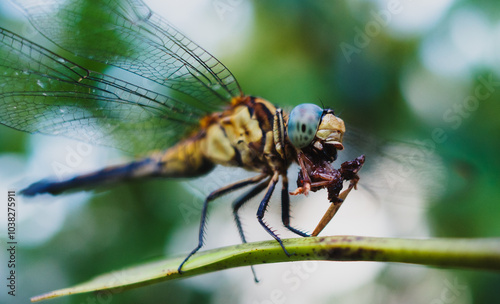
240	128
216	146
234	131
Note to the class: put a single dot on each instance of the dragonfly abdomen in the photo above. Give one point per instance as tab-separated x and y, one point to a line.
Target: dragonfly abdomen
182	160
137	169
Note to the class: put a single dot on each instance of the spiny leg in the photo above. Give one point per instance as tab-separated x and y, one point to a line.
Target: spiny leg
263	206
215	194
241	201
285	208
237	205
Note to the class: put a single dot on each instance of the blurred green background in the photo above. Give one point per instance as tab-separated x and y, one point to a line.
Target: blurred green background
394	69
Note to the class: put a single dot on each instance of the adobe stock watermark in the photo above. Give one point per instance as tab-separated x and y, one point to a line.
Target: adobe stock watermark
292	280
454	116
450	293
75	156
223	7
29	32
106	296
373	28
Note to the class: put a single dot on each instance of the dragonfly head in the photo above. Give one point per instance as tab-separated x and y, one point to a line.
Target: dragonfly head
330	130
312	126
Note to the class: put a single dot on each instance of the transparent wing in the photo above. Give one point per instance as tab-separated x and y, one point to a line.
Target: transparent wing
46	93
401	172
128	35
42	92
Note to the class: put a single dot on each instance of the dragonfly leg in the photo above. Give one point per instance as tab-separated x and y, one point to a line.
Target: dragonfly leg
241	201
237	205
215	194
306	179
263	207
285	209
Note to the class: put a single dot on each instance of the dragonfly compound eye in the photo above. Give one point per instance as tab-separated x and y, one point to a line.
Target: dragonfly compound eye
303	124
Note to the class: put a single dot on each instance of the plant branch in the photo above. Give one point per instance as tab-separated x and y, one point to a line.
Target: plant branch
481	254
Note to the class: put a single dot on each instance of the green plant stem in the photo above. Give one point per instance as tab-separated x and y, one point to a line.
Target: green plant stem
483	254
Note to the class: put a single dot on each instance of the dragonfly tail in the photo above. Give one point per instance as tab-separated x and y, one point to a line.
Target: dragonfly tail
138	169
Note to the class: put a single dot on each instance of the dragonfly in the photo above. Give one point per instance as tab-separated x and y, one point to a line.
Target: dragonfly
188	113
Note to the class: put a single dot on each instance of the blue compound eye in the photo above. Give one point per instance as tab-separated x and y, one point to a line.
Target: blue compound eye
303	124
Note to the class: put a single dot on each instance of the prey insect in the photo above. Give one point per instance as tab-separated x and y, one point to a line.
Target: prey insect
190	113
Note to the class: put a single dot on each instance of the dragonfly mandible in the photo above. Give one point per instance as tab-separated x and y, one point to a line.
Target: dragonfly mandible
195	118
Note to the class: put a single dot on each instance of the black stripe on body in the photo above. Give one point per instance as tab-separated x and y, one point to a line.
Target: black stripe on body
250	106
237	157
265	119
142	168
237	154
